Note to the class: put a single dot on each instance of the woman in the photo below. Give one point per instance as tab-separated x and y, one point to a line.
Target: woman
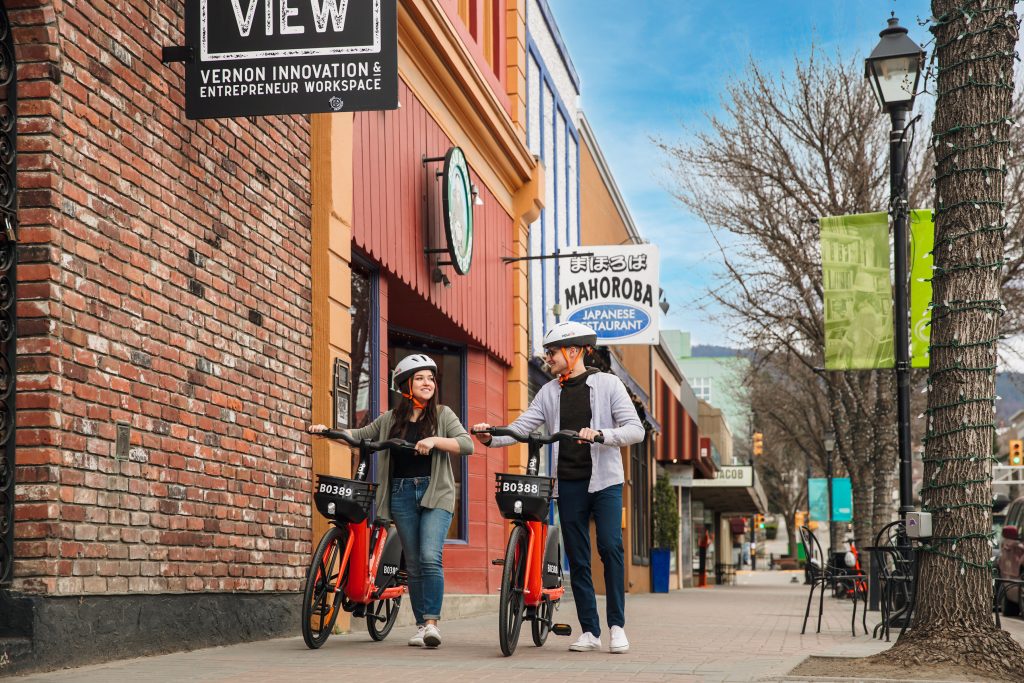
417	487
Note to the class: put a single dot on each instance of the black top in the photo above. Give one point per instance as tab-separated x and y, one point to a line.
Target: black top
407	463
574	460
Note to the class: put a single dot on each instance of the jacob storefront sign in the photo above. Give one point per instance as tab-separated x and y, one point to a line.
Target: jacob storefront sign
264	57
614	289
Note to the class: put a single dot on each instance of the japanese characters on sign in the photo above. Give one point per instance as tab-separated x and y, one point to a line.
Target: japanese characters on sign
264	57
615	291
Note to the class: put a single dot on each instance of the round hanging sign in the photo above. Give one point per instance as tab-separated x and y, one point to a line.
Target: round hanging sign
458	210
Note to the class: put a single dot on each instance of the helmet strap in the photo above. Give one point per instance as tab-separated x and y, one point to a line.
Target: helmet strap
570	365
416	403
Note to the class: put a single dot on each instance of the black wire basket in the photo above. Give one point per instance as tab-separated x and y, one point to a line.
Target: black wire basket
521	496
345	500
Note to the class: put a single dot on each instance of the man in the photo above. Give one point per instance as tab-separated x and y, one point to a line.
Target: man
590	476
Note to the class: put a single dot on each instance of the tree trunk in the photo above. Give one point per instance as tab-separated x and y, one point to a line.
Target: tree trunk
953	619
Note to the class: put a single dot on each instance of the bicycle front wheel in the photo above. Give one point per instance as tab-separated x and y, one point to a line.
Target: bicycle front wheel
322	599
513	582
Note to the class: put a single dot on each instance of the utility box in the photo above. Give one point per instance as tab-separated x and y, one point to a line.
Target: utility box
919	525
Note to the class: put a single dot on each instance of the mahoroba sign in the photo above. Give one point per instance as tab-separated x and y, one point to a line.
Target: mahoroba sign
614	291
263	57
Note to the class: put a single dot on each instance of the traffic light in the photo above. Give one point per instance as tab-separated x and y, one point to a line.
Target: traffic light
759	521
1016	452
758	443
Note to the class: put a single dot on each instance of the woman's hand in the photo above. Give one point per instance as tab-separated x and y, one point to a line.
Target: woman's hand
424	446
317	429
482	438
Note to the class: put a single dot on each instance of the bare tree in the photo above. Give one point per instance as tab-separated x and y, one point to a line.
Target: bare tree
974	46
786	151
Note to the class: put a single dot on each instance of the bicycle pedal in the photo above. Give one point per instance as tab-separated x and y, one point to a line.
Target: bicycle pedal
561	629
500	561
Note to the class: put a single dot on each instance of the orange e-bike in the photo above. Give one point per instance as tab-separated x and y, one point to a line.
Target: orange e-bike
358	566
531	579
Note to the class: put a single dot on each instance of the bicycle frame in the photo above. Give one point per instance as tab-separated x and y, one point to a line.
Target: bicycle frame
534	591
364	544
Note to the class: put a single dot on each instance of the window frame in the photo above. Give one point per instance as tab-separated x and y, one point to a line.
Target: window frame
639	481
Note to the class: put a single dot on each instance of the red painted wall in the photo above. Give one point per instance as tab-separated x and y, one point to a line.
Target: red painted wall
390	184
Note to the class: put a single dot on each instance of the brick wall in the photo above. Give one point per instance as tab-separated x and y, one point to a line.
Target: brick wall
164	284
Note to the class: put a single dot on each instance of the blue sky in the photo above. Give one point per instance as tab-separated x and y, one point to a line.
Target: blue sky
656	69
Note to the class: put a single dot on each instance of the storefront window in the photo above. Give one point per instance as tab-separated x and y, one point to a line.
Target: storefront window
364	404
640	487
451	386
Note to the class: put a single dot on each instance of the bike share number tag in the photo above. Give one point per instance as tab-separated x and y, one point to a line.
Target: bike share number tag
520	487
336	490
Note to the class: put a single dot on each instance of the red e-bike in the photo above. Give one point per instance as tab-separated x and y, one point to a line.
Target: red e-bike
531	581
357	567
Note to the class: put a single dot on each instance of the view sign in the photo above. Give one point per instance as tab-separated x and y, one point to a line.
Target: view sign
265	57
615	291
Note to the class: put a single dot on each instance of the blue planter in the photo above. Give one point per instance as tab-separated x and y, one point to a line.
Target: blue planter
660	558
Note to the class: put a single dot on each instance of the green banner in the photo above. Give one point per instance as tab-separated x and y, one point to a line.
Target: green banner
922	241
858	292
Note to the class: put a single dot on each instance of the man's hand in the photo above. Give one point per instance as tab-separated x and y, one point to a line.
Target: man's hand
588	434
482	438
424	446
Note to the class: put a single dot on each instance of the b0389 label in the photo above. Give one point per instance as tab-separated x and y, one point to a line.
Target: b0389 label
336	490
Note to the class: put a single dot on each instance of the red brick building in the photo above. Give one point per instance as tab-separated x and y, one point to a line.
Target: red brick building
164	347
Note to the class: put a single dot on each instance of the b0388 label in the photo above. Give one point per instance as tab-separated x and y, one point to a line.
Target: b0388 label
520	487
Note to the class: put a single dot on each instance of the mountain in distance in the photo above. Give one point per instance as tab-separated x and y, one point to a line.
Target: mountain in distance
712	351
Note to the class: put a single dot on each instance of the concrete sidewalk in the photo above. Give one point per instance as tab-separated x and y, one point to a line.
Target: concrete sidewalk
746	632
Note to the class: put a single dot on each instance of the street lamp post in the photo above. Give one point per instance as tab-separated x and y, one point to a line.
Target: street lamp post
830	446
893	70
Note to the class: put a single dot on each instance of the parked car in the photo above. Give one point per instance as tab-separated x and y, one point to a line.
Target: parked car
1010	559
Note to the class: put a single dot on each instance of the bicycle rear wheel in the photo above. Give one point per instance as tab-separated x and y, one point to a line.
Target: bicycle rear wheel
321	603
381	616
510	618
541	626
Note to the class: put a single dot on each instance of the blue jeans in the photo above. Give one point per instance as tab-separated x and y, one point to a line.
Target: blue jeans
422	531
575	508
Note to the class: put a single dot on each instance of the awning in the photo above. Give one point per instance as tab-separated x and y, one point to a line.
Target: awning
734	490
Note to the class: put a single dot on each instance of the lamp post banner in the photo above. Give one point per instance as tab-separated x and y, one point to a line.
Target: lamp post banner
858	292
615	291
842	499
267	57
922	241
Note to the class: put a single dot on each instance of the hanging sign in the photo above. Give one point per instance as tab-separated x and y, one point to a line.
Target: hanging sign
922	241
265	57
615	291
858	292
457	195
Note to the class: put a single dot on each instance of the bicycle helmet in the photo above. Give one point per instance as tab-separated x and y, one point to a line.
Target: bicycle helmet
569	334
409	366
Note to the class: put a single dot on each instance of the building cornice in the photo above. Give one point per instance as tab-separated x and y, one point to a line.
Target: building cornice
427	35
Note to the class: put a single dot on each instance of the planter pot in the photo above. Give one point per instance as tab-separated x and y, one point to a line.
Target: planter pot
660	558
771	532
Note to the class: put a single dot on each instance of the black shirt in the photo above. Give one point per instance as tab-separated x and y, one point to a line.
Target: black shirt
574	461
407	463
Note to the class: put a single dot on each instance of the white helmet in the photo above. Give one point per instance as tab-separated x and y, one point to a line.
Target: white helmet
409	366
569	334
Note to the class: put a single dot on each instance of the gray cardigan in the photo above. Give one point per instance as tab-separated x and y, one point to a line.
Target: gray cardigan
611	411
440	492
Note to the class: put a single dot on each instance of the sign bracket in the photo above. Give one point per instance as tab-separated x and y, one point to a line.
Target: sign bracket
177	53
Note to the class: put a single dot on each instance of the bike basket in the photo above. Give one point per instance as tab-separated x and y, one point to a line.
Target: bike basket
346	500
521	496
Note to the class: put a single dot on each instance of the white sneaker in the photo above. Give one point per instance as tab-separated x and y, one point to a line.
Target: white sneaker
618	643
587	642
431	636
417	639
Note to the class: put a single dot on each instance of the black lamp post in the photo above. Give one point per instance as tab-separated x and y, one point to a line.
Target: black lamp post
830	445
893	70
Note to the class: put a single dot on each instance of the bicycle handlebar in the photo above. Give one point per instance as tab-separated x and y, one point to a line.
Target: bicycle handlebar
565	434
370	446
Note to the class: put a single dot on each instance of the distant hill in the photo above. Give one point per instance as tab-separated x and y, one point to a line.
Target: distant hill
711	351
1009	386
